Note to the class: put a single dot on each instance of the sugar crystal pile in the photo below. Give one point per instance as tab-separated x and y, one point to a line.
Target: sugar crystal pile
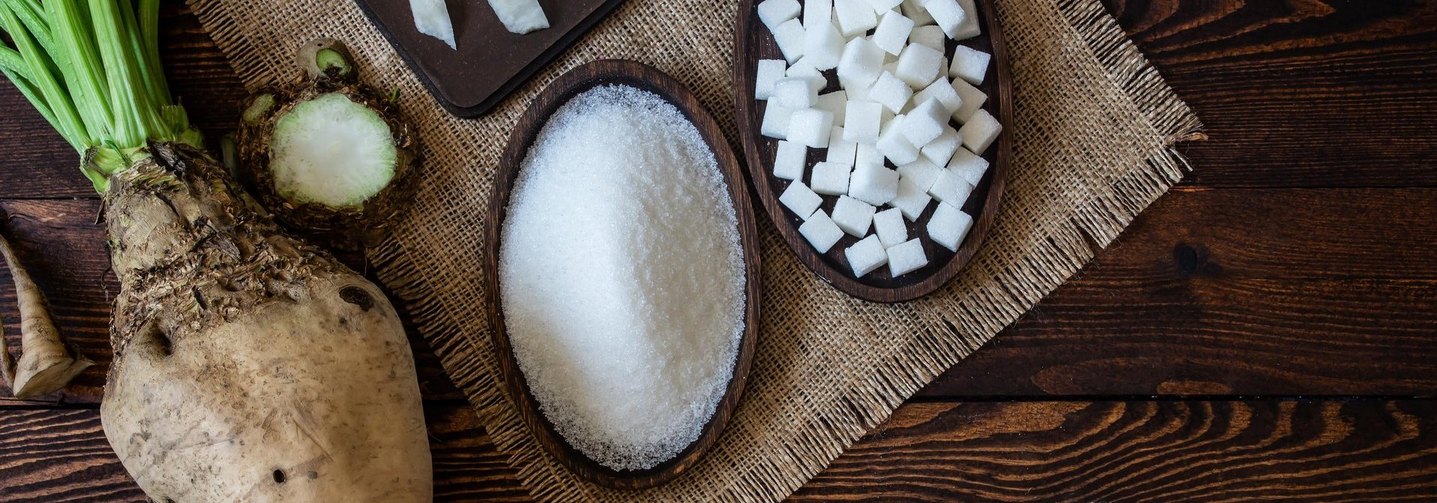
622	277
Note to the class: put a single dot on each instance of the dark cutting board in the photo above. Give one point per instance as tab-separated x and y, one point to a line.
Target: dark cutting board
490	62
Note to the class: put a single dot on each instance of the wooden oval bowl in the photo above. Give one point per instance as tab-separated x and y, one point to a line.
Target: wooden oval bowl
556	95
754	42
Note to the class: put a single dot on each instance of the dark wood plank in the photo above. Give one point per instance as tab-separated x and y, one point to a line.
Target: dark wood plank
1277	292
1299	93
55	455
1362	450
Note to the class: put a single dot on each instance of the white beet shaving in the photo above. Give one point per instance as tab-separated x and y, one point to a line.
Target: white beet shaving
622	277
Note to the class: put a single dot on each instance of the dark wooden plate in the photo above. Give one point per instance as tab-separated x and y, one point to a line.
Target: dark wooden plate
548	101
754	42
490	62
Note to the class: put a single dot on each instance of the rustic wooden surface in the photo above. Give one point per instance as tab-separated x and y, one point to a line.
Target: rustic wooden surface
1267	330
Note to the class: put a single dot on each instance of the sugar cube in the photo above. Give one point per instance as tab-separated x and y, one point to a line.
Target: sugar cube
861	61
921	172
888	225
789	37
942	91
800	199
891	92
861	122
856	91
774	12
918	65
969	27
866	153
822	45
924	123
972	98
905	257
894	145
789	160
816	12
873	184
804	68
854	16
941	149
853	216
915	11
980	131
948	14
951	188
793	92
911	200
969	64
882	6
968	165
768	72
948	226
840	151
835	103
865	256
775	120
892	32
829	179
930	36
890	65
810	127
820	231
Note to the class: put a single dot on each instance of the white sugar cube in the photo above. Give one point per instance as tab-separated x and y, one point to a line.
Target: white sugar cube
941	149
921	172
918	65
947	13
768	72
817	11
789	160
774	12
882	6
789	37
968	165
948	226
775	120
873	184
980	131
929	36
973	99
951	188
829	179
840	151
800	199
888	225
861	61
894	146
891	92
862	121
820	231
854	16
915	11
856	91
942	91
853	216
822	45
793	92
810	127
865	256
867	153
803	68
969	64
892	32
925	122
911	200
835	103
969	27
906	257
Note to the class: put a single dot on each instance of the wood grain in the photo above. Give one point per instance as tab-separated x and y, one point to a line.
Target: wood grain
753	42
524	134
1358	450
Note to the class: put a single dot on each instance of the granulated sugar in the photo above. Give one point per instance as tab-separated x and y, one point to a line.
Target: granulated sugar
622	277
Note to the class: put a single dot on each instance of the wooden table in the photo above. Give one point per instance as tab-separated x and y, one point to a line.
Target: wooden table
1266	330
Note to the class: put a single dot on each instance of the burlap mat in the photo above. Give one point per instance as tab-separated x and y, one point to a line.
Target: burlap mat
1094	127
